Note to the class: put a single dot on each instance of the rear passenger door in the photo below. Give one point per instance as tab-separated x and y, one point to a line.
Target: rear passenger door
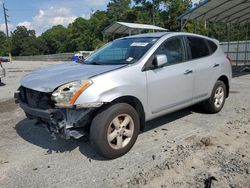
206	68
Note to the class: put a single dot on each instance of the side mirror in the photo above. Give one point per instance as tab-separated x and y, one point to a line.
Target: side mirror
160	60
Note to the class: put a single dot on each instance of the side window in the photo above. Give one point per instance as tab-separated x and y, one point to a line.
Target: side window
198	47
173	49
212	45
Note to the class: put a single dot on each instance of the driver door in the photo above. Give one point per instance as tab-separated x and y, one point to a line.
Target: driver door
171	86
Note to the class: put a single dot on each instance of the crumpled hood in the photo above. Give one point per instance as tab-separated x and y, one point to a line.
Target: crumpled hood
48	79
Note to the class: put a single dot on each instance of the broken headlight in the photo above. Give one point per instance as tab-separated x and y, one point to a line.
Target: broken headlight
67	94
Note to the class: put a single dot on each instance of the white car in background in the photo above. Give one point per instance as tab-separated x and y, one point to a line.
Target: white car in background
81	55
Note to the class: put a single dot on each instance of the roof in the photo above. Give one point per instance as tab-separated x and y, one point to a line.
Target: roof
161	34
130	28
153	35
227	11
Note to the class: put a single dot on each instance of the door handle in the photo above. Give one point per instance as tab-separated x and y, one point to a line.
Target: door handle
188	72
216	65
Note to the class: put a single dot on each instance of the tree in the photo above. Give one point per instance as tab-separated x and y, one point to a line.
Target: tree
174	9
117	9
25	42
98	22
54	39
83	34
3	44
148	11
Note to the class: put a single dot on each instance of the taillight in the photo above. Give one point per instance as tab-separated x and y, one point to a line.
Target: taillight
229	60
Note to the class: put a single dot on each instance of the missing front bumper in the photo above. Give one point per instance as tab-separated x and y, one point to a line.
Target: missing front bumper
65	123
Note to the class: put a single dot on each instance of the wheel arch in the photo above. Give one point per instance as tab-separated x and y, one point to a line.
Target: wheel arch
136	104
225	80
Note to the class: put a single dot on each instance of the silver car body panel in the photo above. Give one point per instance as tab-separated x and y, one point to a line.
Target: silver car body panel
48	79
157	90
160	91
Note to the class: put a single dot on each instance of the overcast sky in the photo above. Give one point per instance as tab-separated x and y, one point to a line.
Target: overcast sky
43	14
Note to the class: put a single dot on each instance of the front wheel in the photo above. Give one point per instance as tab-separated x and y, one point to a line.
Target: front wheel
217	99
114	130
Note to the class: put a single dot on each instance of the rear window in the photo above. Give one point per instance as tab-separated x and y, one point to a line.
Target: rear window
212	46
198	47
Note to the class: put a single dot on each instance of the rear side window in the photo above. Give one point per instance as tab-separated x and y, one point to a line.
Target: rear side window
198	47
212	46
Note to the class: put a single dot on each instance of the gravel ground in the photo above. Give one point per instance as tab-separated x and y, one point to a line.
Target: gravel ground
185	149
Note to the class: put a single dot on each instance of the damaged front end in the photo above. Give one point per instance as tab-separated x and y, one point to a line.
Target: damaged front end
65	122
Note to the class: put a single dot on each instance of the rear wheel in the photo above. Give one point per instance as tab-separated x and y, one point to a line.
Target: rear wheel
114	130
217	99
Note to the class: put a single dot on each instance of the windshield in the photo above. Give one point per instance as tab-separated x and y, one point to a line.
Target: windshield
121	51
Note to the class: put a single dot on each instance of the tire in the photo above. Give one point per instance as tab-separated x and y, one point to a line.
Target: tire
217	99
108	136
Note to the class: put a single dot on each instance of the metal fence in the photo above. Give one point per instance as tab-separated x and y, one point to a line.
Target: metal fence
52	57
238	51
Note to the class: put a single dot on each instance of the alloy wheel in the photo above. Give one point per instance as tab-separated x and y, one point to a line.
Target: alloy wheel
120	131
219	97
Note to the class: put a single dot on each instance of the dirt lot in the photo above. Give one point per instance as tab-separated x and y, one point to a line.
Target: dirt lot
185	149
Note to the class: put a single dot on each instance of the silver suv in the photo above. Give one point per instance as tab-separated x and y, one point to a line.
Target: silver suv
129	81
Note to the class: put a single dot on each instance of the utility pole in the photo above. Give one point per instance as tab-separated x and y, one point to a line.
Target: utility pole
6	20
6	16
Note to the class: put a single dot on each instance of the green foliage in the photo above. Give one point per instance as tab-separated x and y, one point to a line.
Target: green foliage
80	35
24	42
85	34
175	9
3	44
117	9
54	39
